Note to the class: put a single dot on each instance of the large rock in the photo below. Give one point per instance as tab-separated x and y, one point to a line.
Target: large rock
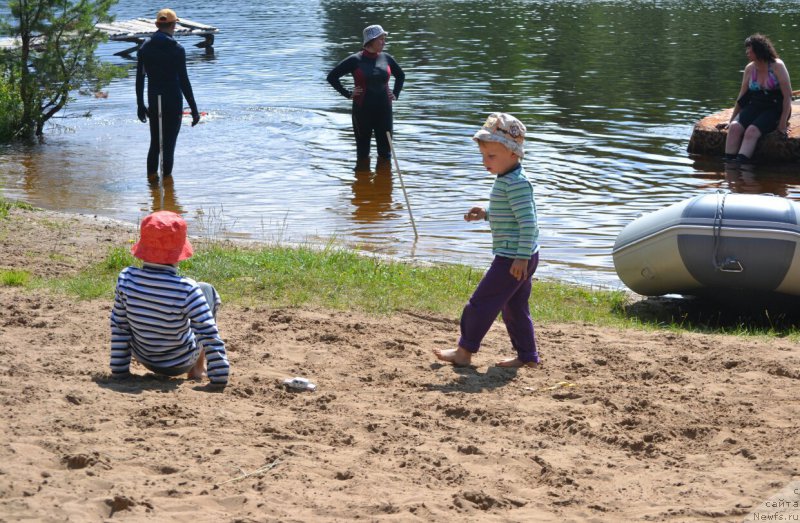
772	148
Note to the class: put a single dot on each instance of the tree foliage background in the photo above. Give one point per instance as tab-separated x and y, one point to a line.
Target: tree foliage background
54	56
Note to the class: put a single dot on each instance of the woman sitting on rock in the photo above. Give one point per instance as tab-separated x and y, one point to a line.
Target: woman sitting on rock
764	103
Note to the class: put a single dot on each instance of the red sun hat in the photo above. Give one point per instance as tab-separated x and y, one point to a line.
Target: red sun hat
163	239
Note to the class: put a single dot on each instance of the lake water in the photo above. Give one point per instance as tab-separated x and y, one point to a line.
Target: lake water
609	91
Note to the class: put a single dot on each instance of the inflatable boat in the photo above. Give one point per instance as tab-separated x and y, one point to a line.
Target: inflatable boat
713	243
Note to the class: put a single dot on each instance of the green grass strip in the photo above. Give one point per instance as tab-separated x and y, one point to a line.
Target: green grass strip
7	205
337	278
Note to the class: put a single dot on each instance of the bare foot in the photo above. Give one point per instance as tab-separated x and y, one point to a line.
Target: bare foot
196	375
198	372
458	357
514	363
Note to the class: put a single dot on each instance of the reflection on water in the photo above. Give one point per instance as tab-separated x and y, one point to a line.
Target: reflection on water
372	192
747	178
609	91
162	191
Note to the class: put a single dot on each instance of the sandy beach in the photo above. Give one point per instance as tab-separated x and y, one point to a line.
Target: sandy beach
616	426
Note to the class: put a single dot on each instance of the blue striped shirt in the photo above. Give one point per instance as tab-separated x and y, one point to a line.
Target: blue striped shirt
512	216
162	319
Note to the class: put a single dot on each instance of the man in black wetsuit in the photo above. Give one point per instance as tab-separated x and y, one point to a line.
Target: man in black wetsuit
163	60
372	99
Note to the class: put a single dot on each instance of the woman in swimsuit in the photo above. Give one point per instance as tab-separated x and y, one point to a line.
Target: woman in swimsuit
372	99
764	103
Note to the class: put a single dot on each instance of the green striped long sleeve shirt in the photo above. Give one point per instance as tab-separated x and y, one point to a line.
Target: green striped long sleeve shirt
512	216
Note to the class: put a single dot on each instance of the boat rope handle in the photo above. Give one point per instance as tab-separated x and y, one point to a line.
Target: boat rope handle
729	264
716	228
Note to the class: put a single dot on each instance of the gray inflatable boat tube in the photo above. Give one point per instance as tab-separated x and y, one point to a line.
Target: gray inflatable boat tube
713	243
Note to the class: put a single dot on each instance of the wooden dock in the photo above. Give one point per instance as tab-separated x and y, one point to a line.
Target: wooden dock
9	42
139	29
773	148
136	31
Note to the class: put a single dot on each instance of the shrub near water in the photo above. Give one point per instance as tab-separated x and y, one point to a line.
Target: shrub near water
10	107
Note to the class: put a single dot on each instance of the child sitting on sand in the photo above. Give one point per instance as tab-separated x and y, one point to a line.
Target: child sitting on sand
166	321
506	286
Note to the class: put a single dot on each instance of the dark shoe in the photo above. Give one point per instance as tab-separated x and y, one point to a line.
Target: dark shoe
743	159
728	157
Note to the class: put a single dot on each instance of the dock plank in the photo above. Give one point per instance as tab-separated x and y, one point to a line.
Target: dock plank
182	26
137	30
134	27
196	25
144	27
11	42
110	29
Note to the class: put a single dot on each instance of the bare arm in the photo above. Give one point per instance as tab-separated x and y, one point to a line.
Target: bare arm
786	89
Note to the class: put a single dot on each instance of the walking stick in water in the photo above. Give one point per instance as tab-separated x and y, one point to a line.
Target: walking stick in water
160	156
403	185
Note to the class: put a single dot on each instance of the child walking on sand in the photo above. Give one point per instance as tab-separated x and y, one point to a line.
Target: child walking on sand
506	286
166	321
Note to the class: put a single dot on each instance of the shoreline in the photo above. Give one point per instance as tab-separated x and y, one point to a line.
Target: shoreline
618	424
354	247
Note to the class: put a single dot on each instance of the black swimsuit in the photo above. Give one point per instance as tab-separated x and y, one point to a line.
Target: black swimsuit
761	105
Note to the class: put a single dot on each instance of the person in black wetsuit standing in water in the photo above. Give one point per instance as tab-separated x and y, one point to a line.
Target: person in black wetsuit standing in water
372	98
163	60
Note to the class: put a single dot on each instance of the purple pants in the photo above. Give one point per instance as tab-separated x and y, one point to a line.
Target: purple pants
498	292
